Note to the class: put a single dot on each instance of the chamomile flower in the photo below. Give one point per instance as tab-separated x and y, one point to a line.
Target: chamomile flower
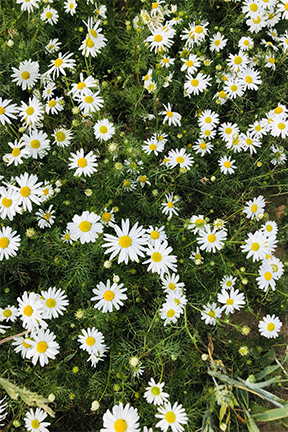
191	64
232	300
47	191
196	256
170	283
234	88
245	43
9	242
154	234
107	217
54	302
85	164
196	223
227	165
29	190
34	421
170	116
254	207
278	155
228	282
66	237
277	267
9	313
7	111
270	228
211	240
90	102
202	147
48	91
143	180
170	312
161	39
62	137
85	227
166	61
280	128
18	152
196	85
32	112
49	15
27	74
208	118
217	42
180	157
53	46
256	245
250	143
9	203
104	130
250	78
70	6
95	40
121	419
60	64
43	347
37	144
108	296
178	297
169	206
173	416
92	341
82	86
54	105
152	145
154	393
21	345
195	34
266	276
270	326
45	218
160	259
31	311
28	6
128	243
227	130
270	61
210	313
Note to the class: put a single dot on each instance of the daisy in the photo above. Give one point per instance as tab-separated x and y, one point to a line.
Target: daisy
169	205
170	312
133	166
9	203
104	130
107	217
47	191
128	243
270	228
201	147
227	130
21	345
277	267
9	242
196	223
34	421
232	300
45	219
53	302
7	111
166	61
92	341
28	5
152	145
61	63
155	394
85	227
235	144
66	237
178	297
95	35
198	84
207	133
211	241
27	74
70	6
234	88
9	313
29	190
85	164
258	129
43	347
238	62
53	46
160	260
195	34
217	42
250	143
32	112
278	156
54	105
95	358
196	256
161	39
254	207
245	42
37	144
100	10
255	25
250	78
173	416
256	245
49	15
180	157
129	185
227	165
154	234
280	128
108	296
90	102
172	117
138	370
62	137
19	151
191	65
208	118
270	61
266	276
83	86
48	90
31	311
143	180
121	419
90	47
270	326
228	282
170	283
210	313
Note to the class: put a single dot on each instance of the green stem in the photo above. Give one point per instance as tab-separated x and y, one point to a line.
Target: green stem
108	375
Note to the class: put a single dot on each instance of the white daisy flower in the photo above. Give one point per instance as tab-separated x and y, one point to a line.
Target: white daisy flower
34	421
43	347
232	300
195	34
143	180
227	130
27	74
178	297
128	243
28	6
31	311
277	267
161	39
61	63
70	6
21	345
198	84
47	191
211	240
29	190
155	394
180	157
66	237
170	116
169	206
108	296
85	165
210	313
217	42
92	341
173	416
9	243
121	419
85	227
152	145
7	111
280	128
170	283
53	46
9	313
32	112
250	78
103	130
191	65
83	86
267	276
49	15
250	143
234	88
37	143
9	203
62	137
170	312
201	147
228	282
270	326
90	102
227	165
160	259
257	246
196	256
254	207
55	105
154	234
54	302
270	228
107	217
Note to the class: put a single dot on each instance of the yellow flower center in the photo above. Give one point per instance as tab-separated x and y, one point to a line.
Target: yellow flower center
25	75
180	159
71	5
238	60
25	344
158	38
7	313
253	7
207	132
42	347
16	151
229	283
125	241
47	216
254	208
217	42
89	43
171	286
109	295
189	63
222	94
229	302
60	136
208	120
153	147
143	179
50	303
269	228
155	391
194	82
278	110
203	145
28	310
49	15
89	99
155	5
46	191
126	183
257	21
82	162
85	226
35	423
271	60
35	144
103	129
170	313
227	164
270	327
30	111
248	79
255	246
169	114
211	238
281	126
94	33
106	217
199	29
165	60
170	204
6	202
268	276
234	87
156	257
2	110
211	313
67	236
228	130
81	85
246	42
52	103
25	191
154	235
249	141
90	341
120	425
